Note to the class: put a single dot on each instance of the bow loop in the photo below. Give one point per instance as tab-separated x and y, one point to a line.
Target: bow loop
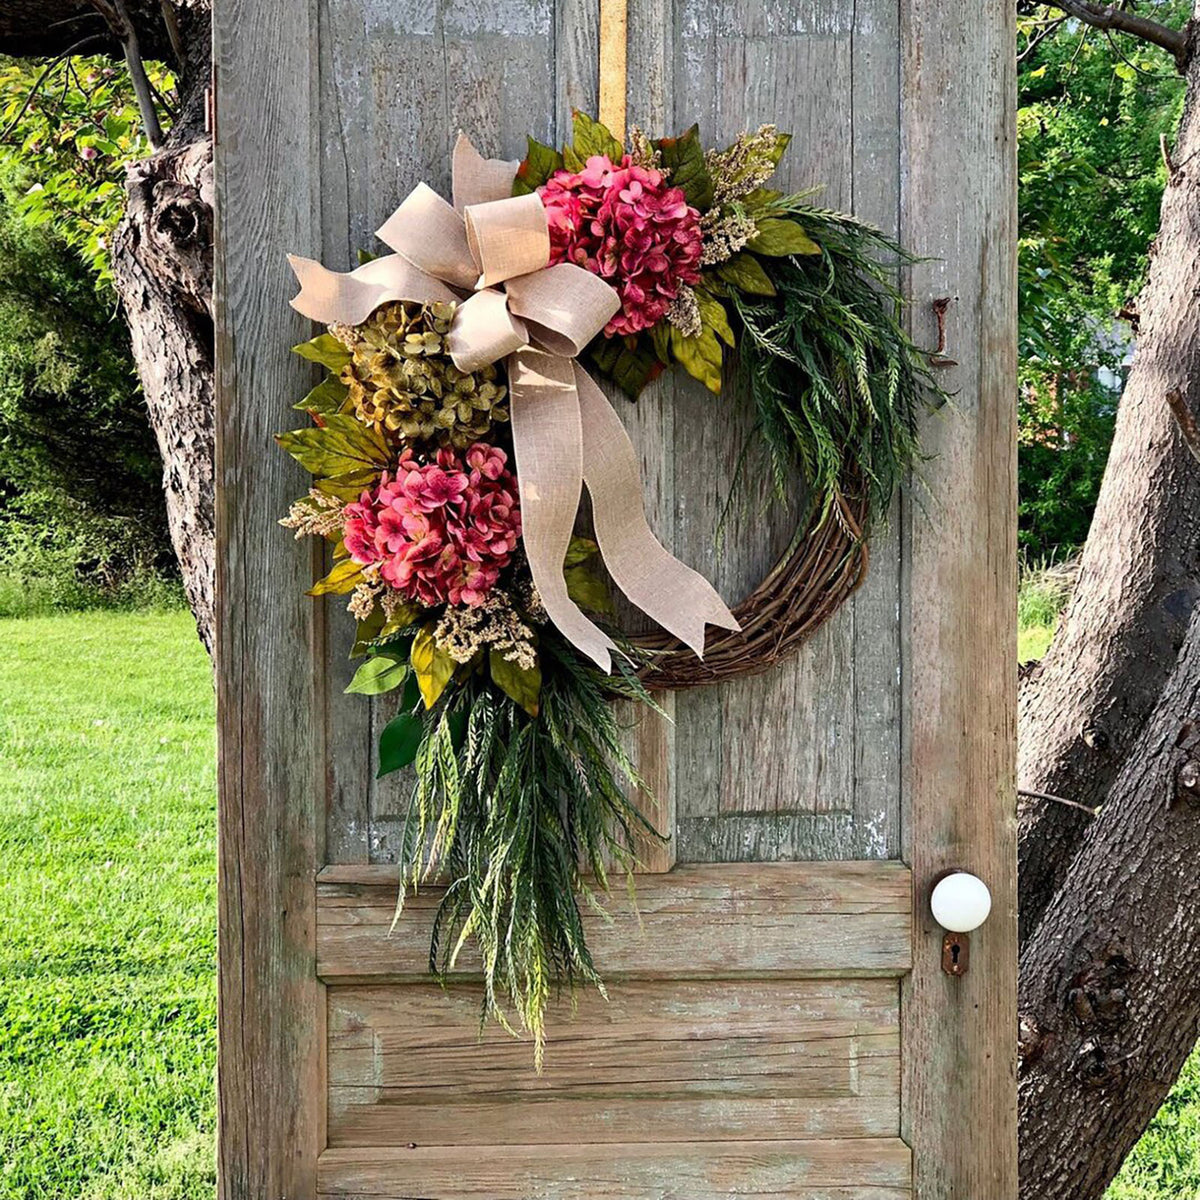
507	237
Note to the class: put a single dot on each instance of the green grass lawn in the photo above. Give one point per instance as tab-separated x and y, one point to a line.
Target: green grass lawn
107	914
107	921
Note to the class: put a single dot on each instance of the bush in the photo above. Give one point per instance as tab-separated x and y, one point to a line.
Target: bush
82	518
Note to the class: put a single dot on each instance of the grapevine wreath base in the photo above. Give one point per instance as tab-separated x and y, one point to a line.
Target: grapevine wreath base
820	570
449	446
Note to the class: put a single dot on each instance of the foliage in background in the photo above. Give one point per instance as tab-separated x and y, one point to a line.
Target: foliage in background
70	127
82	520
1091	109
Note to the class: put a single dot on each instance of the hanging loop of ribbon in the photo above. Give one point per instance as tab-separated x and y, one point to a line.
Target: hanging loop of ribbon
489	254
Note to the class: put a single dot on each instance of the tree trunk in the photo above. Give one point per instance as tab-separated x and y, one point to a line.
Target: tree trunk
1108	998
1083	709
162	265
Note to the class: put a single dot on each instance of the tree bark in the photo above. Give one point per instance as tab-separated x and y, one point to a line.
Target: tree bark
1108	998
1083	709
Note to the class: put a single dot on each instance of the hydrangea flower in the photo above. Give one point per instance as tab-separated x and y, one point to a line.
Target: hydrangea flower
623	223
440	531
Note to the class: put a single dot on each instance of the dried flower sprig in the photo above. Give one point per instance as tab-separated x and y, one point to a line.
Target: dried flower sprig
494	625
737	170
315	515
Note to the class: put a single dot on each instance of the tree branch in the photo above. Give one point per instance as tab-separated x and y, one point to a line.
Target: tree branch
1109	17
121	23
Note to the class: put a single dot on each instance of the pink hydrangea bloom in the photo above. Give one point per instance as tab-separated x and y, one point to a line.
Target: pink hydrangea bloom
623	223
443	530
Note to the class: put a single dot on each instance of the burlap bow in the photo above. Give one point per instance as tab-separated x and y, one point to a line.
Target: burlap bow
494	248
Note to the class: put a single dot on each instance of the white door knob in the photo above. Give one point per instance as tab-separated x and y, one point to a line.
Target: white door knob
960	902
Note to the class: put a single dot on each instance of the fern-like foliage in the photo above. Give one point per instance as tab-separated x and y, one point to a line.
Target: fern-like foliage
836	380
521	817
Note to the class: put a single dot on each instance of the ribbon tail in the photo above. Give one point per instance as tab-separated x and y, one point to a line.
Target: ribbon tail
548	444
681	600
349	298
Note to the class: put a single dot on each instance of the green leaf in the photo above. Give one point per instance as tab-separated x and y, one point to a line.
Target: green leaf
326	350
580	550
631	368
777	237
782	141
401	736
433	666
588	589
540	163
699	356
523	685
572	160
344	577
403	615
326	398
713	316
683	157
590	137
746	273
365	632
365	256
379	674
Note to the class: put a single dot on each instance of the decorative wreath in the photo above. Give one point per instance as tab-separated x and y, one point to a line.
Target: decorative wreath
450	443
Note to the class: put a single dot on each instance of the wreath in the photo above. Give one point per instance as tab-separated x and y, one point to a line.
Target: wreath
449	443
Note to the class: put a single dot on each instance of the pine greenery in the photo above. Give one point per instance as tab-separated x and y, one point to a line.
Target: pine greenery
520	816
836	381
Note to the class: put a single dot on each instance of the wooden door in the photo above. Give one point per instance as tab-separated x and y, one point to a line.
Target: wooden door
779	1023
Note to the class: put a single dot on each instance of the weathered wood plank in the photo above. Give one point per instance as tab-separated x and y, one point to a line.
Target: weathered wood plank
661	1061
779	919
765	765
877	689
958	125
271	744
857	1169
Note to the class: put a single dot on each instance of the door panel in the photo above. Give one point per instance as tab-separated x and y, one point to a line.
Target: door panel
660	1061
752	1007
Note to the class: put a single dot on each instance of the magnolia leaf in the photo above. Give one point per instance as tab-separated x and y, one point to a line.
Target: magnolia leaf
402	617
349	486
588	589
580	550
777	236
590	137
540	163
326	350
523	684
433	666
326	398
713	316
746	273
401	736
339	446
366	631
699	356
683	159
344	577
379	674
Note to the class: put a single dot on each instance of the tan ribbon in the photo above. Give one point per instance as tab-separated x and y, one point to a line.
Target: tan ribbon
494	247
